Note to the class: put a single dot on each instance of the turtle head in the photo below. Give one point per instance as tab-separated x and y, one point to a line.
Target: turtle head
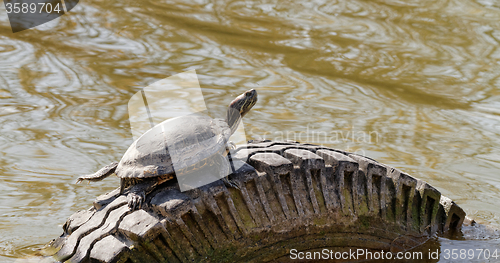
244	102
239	107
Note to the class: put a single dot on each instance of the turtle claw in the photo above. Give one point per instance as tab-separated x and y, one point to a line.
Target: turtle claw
134	200
82	179
230	184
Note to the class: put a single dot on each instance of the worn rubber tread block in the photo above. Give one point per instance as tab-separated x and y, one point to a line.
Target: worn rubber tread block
275	166
165	250
253	195
220	202
454	215
96	221
370	172
178	242
242	176
109	227
405	190
171	203
109	249
309	163
153	251
140	225
347	178
105	199
166	238
429	205
337	164
76	220
139	254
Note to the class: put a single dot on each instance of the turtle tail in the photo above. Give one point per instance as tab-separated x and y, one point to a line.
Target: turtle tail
99	175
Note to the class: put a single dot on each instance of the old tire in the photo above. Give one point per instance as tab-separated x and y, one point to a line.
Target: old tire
292	196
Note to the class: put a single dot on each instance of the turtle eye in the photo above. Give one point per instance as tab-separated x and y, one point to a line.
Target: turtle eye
249	92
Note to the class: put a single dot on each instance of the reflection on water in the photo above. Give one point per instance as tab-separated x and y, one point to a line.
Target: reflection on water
421	77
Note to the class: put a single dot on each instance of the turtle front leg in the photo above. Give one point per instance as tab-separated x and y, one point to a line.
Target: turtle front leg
137	193
229	146
225	170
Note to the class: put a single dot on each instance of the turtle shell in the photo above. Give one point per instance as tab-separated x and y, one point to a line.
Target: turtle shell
180	144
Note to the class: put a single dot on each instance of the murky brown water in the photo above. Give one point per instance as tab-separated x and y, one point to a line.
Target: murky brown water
414	84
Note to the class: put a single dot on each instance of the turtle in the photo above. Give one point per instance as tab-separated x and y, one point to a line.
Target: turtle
187	142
